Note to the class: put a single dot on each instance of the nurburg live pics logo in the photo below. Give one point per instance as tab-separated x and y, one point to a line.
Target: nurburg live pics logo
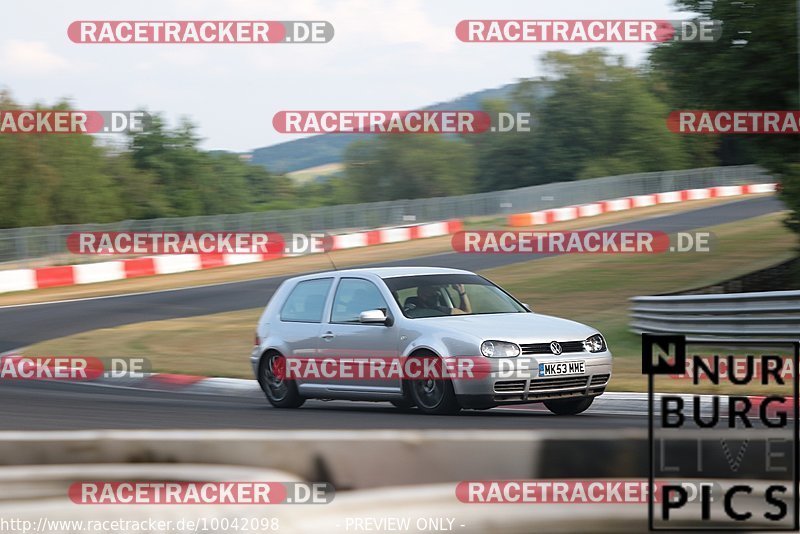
742	448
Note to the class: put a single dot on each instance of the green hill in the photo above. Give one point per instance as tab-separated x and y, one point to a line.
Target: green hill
329	148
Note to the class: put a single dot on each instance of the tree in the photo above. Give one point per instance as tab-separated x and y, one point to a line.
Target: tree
753	66
508	159
69	178
53	178
399	166
601	120
194	182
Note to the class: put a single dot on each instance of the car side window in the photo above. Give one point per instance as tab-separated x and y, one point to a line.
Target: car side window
306	302
353	296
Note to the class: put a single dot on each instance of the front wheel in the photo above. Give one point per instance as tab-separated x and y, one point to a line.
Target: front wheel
569	406
280	391
434	396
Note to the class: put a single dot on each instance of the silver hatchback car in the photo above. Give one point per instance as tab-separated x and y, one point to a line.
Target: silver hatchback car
357	335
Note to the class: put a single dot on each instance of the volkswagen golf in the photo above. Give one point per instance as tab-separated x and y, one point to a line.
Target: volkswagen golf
322	336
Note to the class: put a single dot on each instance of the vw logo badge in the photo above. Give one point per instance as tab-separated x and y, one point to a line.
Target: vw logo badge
555	348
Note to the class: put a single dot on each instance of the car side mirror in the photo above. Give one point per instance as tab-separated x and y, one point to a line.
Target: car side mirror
372	316
527	306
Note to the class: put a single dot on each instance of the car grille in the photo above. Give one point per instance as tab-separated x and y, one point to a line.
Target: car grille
509	386
599	380
550	388
544	348
545	384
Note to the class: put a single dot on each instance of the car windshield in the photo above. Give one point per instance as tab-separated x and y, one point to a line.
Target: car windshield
450	294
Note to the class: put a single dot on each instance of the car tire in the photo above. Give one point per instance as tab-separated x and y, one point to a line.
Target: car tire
569	406
435	397
280	392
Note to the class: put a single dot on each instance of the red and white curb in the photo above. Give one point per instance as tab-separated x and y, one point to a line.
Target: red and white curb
90	273
177	383
568	213
107	271
182	383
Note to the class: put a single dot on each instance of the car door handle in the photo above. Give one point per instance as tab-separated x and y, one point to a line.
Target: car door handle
327	336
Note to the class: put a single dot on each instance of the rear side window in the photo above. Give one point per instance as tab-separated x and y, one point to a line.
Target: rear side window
306	301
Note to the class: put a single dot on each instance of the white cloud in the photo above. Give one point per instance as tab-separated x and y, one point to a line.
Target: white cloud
385	54
30	58
393	22
363	22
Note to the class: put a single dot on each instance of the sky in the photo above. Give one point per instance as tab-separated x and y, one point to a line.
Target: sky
385	55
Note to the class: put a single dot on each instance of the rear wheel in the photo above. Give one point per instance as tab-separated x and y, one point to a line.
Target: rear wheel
569	406
433	396
280	391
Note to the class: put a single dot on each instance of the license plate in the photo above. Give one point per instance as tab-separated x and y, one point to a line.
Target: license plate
577	367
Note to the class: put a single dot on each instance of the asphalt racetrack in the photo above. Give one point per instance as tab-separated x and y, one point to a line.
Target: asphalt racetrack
57	406
61	406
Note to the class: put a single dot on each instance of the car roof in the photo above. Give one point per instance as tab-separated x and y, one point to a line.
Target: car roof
391	272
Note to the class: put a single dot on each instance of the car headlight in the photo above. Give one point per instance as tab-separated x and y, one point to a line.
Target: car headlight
499	349
595	343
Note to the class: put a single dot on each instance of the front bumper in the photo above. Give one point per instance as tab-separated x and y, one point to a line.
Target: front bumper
517	381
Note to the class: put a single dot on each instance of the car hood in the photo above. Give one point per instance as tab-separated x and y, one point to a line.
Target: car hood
515	327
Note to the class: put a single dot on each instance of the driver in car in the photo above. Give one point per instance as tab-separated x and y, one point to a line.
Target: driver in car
428	298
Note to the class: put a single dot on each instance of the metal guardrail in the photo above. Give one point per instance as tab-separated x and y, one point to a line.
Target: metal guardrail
757	315
18	244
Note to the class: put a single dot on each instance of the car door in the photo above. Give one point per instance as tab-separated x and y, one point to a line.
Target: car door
345	338
301	318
